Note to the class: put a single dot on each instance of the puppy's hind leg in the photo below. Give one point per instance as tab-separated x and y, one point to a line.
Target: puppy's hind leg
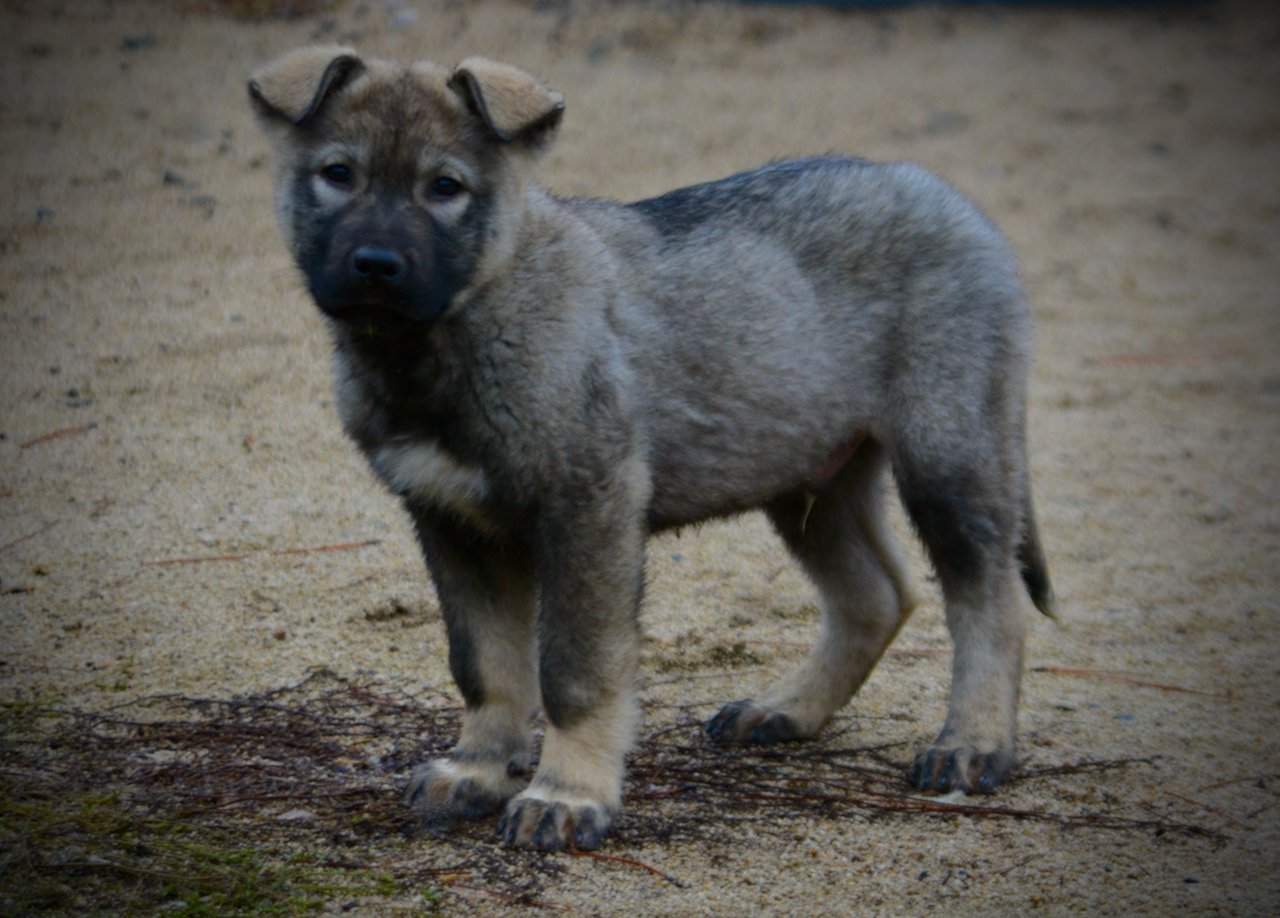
487	596
841	538
970	530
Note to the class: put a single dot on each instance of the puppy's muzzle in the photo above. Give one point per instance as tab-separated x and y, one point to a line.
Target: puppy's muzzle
380	283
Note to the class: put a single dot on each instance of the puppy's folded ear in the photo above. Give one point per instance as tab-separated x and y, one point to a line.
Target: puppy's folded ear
296	86
512	104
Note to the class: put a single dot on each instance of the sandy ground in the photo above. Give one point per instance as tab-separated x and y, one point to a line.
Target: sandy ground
165	395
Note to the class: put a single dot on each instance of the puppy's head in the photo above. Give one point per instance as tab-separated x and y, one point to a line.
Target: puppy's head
399	184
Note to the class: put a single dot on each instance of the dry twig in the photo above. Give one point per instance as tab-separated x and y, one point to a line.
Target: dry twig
279	553
58	434
30	535
629	861
1126	678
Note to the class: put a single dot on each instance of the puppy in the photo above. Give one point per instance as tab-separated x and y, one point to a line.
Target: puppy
546	381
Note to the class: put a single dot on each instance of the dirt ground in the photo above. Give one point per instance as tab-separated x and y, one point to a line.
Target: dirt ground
165	397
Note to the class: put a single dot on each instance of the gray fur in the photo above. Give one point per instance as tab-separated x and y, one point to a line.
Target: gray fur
546	381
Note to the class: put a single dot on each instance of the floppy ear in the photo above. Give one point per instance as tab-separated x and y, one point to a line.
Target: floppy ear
295	87
513	105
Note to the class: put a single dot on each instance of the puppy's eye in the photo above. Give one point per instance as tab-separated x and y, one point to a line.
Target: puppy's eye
445	187
338	174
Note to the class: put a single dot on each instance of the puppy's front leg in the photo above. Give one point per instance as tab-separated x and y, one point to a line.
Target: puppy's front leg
487	597
591	568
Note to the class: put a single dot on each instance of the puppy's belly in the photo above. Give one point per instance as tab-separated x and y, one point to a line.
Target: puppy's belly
696	484
422	470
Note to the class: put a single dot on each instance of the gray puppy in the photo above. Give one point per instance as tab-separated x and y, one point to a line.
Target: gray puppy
545	381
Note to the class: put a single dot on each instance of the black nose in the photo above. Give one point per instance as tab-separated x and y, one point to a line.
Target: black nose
376	264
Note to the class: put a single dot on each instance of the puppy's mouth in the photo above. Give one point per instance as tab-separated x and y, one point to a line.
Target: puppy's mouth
370	308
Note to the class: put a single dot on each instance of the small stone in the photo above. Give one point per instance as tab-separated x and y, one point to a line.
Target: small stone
138	42
940	124
205	202
297	816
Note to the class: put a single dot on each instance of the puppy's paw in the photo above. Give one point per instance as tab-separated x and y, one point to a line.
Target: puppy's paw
531	821
748	721
960	768
443	791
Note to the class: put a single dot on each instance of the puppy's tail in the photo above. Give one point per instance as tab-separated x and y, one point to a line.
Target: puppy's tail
1035	572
